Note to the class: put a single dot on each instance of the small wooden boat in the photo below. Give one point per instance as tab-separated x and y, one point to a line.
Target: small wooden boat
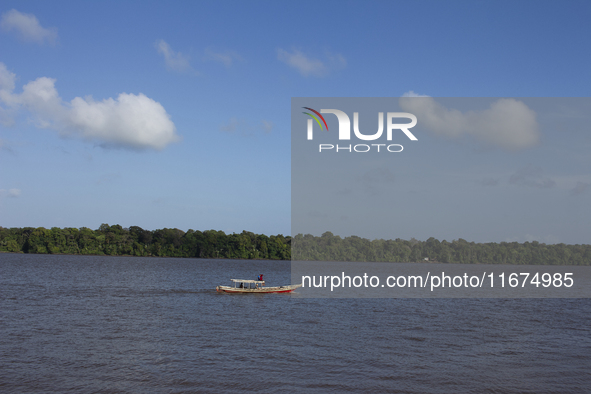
254	286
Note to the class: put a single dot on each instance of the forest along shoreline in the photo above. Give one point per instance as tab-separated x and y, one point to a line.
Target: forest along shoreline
135	241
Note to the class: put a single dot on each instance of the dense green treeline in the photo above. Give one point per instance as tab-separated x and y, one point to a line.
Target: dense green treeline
135	241
329	247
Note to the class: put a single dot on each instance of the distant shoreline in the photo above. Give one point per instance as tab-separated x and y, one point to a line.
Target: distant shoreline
135	241
211	244
129	255
329	247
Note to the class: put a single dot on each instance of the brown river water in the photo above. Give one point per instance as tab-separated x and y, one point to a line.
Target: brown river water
92	324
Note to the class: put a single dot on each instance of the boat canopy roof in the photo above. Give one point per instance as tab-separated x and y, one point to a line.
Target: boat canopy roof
247	281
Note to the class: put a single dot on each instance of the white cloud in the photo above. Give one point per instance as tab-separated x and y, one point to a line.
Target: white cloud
27	26
42	99
131	121
336	60
6	88
507	123
7	79
175	61
227	58
305	66
532	177
308	66
5	146
411	93
179	62
232	125
14	193
267	125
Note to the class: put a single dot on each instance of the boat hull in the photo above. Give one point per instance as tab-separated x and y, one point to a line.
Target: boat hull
277	289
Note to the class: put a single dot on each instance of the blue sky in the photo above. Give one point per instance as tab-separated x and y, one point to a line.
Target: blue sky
178	114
